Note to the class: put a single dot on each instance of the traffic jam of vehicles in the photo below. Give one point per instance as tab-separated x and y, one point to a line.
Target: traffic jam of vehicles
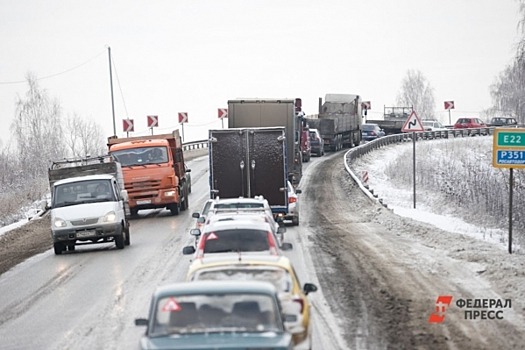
241	290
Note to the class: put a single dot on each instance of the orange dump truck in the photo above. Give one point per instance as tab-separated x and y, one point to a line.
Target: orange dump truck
154	171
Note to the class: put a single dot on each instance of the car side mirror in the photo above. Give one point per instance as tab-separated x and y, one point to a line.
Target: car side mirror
298	191
281	229
188	250
286	246
188	170
124	195
195	215
201	220
309	288
195	232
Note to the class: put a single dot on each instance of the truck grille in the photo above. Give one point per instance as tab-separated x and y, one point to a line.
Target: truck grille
84	222
139	186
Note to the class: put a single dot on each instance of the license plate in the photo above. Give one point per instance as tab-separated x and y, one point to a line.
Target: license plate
144	201
89	233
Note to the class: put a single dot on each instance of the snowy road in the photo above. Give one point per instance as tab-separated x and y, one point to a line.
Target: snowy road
89	299
379	276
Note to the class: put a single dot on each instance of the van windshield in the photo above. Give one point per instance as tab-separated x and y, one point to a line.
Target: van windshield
80	192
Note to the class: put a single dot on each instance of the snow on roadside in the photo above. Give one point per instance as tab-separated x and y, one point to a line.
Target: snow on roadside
428	204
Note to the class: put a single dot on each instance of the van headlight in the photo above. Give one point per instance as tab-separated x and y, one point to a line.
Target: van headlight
59	222
110	217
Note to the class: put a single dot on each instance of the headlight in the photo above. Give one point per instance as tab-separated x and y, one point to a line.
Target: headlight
59	222
110	217
169	193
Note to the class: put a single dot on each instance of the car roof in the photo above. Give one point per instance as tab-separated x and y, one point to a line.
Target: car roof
237	224
257	216
220	287
237	260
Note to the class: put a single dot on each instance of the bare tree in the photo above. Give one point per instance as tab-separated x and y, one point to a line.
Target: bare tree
84	137
508	90
37	129
416	92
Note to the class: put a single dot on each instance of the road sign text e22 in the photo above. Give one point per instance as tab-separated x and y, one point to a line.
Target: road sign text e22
511	139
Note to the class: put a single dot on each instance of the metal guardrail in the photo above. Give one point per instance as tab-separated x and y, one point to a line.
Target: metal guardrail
363	149
194	145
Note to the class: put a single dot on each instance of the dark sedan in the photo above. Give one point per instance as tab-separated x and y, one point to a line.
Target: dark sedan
371	131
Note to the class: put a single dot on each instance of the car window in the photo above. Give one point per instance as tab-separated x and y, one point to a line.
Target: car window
236	240
203	313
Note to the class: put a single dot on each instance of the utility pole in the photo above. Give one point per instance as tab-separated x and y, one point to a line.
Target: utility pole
111	84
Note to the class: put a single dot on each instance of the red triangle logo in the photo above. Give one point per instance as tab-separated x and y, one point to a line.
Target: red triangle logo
211	236
171	305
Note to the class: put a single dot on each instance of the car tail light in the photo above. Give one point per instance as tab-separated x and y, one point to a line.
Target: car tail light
292	199
373	133
300	301
271	243
200	247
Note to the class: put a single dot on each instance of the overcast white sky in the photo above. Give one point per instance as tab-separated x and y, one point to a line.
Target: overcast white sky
192	56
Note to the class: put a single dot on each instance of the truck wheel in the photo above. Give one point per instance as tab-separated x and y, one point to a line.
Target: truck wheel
59	248
134	212
187	200
127	241
174	208
295	220
71	247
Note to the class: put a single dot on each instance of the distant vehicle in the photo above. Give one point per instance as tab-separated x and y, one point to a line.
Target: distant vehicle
432	125
371	131
155	174
216	315
338	121
293	205
269	112
393	119
471	123
277	270
504	121
235	236
316	142
89	204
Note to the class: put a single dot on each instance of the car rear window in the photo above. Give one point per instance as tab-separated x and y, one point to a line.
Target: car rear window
236	240
368	127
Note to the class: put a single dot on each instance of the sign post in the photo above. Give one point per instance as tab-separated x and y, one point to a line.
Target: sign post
127	126
448	106
365	106
413	124
508	151
153	121
223	113
183	118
